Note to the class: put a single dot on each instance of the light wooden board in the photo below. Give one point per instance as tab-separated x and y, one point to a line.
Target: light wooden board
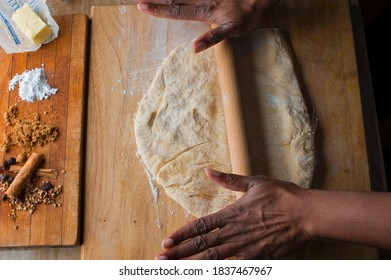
127	48
61	7
122	220
64	61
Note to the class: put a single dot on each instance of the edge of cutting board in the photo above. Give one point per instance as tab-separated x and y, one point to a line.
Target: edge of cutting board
65	62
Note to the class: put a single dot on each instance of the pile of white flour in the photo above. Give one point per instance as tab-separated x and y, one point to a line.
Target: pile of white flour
32	85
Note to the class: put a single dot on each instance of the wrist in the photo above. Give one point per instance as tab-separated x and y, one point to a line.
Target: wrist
297	202
356	216
309	218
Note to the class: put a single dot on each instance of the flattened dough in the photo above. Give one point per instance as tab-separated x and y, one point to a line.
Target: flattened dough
282	133
180	128
180	131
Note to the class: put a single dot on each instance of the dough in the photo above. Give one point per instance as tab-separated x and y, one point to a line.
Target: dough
180	126
281	131
180	131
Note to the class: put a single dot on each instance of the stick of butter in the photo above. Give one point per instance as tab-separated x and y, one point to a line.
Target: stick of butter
31	24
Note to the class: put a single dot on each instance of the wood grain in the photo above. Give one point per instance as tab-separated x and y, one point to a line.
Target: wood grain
122	219
320	33
315	28
118	200
68	7
64	61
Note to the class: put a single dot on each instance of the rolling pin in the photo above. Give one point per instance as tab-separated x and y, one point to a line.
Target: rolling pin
232	106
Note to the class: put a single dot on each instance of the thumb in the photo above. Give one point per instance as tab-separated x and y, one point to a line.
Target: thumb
214	36
232	182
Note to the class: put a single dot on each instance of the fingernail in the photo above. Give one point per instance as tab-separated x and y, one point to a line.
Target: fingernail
167	243
214	172
142	6
200	46
161	258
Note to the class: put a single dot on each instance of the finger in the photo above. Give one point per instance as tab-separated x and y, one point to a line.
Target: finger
220	252
176	11
202	242
209	252
231	181
191	247
195	228
214	36
203	225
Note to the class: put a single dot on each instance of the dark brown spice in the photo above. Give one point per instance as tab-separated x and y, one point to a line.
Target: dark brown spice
11	161
5	165
47	186
3	177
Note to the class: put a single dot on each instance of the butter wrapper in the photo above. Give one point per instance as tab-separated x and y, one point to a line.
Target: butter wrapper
12	39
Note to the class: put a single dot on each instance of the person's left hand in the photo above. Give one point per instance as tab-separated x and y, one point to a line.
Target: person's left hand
267	222
233	17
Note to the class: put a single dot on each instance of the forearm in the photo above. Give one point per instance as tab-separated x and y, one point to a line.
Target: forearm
360	217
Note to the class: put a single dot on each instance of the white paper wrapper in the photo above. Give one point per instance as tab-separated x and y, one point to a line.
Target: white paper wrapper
12	39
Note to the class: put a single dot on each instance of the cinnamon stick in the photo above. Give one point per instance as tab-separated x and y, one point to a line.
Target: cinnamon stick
40	172
24	175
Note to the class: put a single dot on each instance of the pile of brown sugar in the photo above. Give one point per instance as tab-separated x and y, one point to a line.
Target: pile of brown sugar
25	133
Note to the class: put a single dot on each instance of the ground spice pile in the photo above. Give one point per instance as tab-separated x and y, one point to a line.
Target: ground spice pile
26	133
32	196
33	193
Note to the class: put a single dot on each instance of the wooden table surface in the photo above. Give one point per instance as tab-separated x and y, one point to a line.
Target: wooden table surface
347	170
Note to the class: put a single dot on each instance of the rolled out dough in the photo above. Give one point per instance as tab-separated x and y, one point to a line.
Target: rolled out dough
180	127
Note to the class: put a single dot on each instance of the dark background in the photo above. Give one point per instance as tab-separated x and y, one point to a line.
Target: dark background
376	16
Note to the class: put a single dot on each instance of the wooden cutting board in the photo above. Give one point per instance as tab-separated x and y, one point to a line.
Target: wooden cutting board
64	61
122	218
127	48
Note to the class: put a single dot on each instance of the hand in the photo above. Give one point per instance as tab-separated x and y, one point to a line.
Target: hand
266	222
234	17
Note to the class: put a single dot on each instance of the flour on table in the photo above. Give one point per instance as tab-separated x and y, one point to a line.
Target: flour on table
155	196
123	10
32	85
154	192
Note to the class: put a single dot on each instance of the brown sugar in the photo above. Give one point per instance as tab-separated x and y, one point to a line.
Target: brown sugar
25	133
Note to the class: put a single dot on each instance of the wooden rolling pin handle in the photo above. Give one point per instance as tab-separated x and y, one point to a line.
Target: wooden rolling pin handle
232	106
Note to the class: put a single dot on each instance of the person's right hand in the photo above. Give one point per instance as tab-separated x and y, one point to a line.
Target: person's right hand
234	17
267	222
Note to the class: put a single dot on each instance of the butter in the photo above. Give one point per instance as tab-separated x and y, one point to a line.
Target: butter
31	24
